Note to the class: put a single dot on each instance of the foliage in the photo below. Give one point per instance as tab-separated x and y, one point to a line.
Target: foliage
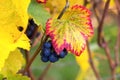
83	61
71	31
13	15
13	63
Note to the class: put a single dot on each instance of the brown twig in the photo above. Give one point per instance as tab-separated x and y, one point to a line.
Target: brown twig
89	54
100	26
29	72
117	6
111	62
117	46
91	62
64	9
102	43
95	11
44	72
44	38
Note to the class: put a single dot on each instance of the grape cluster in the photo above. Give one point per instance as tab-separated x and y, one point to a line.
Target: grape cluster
31	29
48	53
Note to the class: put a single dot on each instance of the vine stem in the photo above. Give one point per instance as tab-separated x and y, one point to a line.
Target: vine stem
29	72
100	26
45	71
118	36
95	11
103	44
91	62
90	55
111	62
44	38
64	9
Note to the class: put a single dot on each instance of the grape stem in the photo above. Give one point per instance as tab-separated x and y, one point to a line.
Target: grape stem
44	38
64	9
45	71
29	72
92	63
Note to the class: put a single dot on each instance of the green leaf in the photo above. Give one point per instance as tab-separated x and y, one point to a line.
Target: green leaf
38	13
71	31
13	63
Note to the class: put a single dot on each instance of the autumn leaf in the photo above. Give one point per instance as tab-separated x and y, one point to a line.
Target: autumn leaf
13	20
13	63
71	31
86	72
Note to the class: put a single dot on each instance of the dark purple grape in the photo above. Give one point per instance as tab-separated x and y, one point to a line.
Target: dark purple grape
29	33
31	29
62	54
46	52
50	53
47	45
44	58
53	57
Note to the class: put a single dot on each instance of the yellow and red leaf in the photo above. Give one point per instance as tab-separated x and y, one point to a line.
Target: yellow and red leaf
71	31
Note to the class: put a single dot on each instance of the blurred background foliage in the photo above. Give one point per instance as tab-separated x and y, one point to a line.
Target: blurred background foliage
71	67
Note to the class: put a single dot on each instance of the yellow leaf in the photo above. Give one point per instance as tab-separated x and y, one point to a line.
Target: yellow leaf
13	22
13	14
13	63
83	60
4	53
86	71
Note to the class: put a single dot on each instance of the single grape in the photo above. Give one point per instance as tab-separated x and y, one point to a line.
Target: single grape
44	58
29	33
46	52
63	54
53	58
31	29
47	45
